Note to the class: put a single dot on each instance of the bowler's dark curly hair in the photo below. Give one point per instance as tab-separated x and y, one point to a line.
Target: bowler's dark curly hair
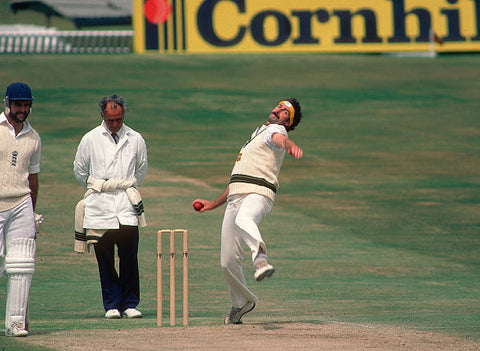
298	113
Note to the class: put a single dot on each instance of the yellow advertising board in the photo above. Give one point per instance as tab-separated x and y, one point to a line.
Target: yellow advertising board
370	26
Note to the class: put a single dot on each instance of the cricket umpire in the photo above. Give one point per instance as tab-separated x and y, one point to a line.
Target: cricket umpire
250	196
20	150
110	162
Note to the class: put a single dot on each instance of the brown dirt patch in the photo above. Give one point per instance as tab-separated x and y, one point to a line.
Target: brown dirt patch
263	336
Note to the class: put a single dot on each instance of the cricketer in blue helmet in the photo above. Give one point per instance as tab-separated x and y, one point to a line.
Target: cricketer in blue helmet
18	196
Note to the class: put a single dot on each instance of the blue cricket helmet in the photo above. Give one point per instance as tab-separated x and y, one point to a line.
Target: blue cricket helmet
18	91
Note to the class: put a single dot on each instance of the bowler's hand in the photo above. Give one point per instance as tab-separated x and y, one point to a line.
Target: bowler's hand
295	151
207	205
288	145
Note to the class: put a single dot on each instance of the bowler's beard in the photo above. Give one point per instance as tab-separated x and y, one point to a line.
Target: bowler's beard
16	117
273	118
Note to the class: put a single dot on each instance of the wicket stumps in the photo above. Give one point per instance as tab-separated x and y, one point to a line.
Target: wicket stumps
171	233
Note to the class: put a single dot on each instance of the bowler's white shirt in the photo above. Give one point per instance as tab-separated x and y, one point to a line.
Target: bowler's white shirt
270	130
98	156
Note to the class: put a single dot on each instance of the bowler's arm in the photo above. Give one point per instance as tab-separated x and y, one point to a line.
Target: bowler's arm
210	205
287	144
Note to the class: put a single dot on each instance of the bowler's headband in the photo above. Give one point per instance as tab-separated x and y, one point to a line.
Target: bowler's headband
290	108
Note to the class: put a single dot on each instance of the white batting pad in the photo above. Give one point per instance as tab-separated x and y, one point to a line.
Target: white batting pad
19	266
20	257
18	289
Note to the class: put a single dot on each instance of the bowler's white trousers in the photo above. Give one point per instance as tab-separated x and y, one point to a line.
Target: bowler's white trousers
243	214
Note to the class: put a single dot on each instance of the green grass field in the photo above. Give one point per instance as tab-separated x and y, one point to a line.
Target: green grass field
378	223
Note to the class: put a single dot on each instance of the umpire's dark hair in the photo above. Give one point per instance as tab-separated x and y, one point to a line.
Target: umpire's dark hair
113	98
298	113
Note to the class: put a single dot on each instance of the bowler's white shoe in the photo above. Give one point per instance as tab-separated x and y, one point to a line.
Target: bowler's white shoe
263	270
113	314
16	330
132	313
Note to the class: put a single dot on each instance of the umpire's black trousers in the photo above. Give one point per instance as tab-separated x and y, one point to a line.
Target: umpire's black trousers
119	290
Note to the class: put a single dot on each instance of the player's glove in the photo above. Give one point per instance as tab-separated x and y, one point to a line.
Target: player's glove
38	222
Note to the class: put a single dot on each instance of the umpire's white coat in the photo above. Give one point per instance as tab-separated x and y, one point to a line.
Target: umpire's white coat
98	156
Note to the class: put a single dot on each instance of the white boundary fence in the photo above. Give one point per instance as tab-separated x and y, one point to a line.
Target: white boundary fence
67	42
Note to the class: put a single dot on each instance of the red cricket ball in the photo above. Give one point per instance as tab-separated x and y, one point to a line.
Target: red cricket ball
197	205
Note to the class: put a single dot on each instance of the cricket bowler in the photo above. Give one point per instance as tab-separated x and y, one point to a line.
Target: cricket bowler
249	196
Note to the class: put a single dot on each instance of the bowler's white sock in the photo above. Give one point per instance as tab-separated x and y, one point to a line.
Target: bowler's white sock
261	257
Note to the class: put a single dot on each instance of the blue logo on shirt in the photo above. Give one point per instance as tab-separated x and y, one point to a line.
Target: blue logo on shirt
14	158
